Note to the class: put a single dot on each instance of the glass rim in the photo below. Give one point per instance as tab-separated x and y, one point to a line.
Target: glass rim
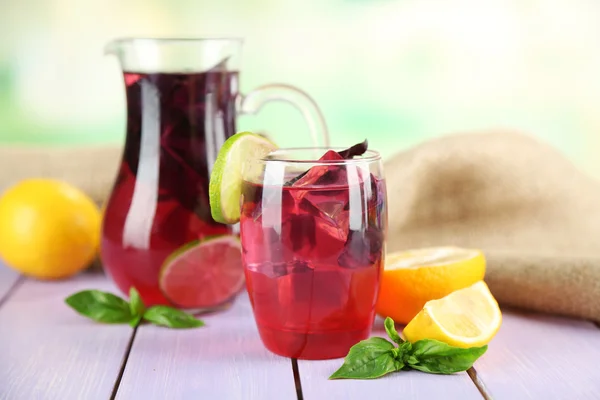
367	157
173	39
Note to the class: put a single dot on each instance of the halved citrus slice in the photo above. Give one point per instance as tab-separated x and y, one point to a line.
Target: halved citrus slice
203	274
225	185
468	317
413	277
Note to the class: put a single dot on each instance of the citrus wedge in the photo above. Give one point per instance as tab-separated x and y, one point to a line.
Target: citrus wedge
225	186
469	317
203	274
413	277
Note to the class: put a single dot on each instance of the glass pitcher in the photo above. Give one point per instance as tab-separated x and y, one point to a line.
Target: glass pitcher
182	104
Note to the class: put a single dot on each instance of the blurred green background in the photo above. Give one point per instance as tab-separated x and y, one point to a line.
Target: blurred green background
395	71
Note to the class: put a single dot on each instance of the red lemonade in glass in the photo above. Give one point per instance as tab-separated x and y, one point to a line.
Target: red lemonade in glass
313	252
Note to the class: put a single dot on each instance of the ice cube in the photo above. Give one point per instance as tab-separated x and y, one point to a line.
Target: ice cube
274	269
329	174
362	248
263	244
331	201
323	174
320	175
331	208
312	234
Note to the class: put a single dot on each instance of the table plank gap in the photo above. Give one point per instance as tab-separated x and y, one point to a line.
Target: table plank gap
223	360
535	356
297	380
472	372
49	351
8	278
11	290
123	364
414	385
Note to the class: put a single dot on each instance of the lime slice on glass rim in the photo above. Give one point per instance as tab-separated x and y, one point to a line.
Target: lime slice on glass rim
225	187
203	273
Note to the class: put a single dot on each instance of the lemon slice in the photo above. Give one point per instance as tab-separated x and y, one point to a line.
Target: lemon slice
413	277
468	317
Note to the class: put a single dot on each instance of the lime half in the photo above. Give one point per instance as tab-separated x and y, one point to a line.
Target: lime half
225	186
203	274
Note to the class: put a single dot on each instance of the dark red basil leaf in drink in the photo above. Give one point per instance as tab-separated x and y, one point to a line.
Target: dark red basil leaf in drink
357	150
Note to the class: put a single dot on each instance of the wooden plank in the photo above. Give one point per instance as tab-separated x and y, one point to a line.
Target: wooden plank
8	278
47	351
402	385
542	357
223	360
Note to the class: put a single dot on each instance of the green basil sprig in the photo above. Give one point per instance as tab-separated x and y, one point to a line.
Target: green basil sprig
107	308
376	357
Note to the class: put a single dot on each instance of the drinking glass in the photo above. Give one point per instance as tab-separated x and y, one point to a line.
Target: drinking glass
313	235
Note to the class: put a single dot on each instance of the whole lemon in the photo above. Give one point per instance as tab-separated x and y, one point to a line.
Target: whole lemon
48	228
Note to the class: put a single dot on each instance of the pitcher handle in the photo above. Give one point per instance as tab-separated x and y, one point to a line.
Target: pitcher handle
253	102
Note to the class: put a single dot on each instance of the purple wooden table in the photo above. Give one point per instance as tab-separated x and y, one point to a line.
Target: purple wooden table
47	352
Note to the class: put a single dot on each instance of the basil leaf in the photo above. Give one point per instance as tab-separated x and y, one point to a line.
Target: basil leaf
368	359
136	305
440	358
100	306
405	347
405	351
412	360
135	321
391	330
171	317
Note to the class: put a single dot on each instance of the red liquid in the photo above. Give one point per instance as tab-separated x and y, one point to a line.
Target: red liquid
312	260
176	124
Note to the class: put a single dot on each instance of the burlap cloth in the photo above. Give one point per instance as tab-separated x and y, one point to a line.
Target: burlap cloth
535	215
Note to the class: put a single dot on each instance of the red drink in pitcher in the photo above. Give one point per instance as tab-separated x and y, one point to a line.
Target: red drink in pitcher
183	100
176	124
313	251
